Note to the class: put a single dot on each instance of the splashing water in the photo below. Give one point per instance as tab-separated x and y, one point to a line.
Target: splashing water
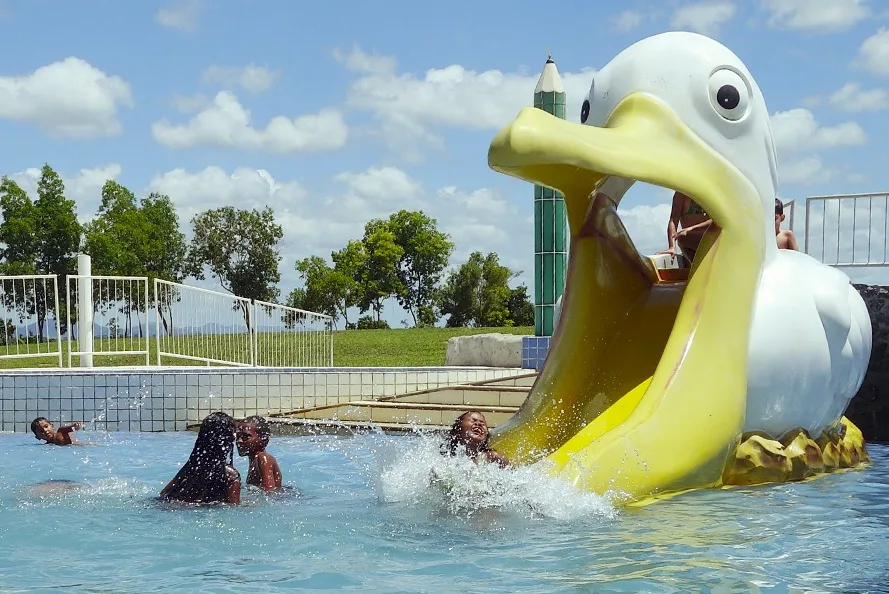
419	474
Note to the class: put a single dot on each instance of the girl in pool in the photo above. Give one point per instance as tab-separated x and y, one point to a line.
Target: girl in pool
208	476
470	434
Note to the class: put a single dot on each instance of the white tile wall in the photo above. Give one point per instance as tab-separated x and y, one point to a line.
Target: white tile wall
168	399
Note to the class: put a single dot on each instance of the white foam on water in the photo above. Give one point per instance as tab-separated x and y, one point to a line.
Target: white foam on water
420	474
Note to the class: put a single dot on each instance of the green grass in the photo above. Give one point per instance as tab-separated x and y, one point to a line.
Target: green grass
409	347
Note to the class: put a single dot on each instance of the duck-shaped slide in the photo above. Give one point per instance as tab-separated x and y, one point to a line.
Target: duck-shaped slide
739	373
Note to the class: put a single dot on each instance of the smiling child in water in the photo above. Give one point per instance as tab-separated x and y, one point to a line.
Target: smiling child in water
470	433
46	431
252	438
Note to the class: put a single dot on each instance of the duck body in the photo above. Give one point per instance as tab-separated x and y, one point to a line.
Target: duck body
810	345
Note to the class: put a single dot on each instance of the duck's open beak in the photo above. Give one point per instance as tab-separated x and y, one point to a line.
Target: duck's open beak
644	388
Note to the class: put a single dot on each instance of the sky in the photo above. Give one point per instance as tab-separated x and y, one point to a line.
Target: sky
334	114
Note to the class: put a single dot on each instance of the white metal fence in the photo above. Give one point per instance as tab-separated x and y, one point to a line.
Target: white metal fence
213	327
31	326
202	325
848	230
107	315
284	336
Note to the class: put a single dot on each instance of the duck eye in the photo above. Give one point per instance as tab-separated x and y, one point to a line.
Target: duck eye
584	111
729	94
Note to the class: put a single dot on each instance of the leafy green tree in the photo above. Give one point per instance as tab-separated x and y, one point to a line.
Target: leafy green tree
40	237
349	268
135	239
379	279
326	289
478	293
521	310
424	257
241	249
18	232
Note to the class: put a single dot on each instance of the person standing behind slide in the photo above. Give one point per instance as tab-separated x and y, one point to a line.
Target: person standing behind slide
687	225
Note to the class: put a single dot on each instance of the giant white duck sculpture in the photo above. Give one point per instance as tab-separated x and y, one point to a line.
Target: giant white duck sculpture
737	374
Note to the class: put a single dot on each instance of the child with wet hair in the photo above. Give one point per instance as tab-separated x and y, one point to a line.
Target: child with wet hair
208	476
470	434
45	430
252	439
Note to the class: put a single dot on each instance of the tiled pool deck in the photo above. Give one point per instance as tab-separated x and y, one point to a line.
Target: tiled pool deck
170	398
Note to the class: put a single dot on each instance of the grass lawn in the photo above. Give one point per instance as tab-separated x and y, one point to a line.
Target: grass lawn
406	347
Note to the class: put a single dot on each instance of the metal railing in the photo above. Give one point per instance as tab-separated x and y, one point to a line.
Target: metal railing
30	305
289	337
111	316
202	325
848	230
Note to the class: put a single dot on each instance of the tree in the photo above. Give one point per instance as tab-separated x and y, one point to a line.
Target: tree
379	279
521	310
327	289
241	249
478	293
425	253
345	279
130	239
39	238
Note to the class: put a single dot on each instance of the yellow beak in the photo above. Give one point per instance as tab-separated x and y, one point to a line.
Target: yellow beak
644	388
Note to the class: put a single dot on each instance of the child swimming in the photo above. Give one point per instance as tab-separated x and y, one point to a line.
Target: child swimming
470	432
208	476
46	431
252	439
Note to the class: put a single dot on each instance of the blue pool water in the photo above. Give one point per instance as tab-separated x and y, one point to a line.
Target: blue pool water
366	519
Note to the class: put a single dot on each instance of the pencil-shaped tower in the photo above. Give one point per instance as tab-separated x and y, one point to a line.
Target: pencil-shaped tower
550	222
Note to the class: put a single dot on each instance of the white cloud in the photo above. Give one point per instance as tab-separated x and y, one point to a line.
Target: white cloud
806	171
180	14
852	98
628	20
84	187
796	130
704	17
798	136
411	111
251	78
825	15
226	123
70	98
874	53
213	187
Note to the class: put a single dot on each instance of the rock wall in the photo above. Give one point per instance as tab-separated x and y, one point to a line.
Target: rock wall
486	350
869	408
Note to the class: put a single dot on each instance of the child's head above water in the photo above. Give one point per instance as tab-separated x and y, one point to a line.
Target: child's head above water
42	428
203	478
253	435
469	430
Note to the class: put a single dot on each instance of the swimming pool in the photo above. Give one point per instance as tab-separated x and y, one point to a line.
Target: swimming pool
366	519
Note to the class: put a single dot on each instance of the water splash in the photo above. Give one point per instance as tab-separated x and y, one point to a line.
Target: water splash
419	474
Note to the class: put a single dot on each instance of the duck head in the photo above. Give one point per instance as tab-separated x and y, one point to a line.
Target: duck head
644	387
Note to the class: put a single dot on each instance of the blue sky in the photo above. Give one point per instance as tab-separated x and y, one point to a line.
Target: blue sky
337	113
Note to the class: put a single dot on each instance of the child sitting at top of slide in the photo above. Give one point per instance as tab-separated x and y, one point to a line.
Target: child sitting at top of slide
252	438
46	431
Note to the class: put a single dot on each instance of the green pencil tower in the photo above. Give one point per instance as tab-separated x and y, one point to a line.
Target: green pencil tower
550	222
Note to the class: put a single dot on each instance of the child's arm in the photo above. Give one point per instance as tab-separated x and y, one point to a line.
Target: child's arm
66	429
500	459
267	471
791	241
234	486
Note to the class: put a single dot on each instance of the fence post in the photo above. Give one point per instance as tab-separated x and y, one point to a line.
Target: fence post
84	309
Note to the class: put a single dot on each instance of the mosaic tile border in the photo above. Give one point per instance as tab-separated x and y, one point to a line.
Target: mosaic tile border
169	399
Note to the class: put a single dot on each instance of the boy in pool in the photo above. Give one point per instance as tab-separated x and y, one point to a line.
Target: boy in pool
46	431
470	431
252	438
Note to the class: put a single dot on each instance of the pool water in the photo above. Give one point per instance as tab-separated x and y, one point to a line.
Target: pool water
366	517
